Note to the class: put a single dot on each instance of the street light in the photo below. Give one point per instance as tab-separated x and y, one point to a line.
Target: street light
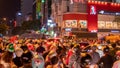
43	1
4	19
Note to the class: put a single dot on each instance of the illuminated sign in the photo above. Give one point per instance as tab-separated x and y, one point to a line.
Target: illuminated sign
92	19
71	23
68	29
92	10
82	24
109	13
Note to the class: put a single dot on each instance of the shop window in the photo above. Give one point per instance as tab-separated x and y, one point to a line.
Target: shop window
82	24
71	23
101	24
68	9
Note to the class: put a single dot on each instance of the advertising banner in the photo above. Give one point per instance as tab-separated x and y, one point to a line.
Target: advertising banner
92	18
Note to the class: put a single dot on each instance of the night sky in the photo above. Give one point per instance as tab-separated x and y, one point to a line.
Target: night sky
8	8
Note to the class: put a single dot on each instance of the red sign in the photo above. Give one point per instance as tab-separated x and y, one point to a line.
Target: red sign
96	6
92	18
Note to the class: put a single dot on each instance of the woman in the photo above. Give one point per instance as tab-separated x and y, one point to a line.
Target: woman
117	63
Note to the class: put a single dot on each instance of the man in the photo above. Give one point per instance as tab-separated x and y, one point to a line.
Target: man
95	56
107	59
75	58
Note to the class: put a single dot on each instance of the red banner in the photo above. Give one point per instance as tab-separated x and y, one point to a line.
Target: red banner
92	18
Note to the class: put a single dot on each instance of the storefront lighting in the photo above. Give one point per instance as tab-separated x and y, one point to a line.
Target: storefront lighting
118	13
99	2
101	12
92	1
68	29
112	3
115	31
96	2
105	3
93	31
102	2
50	21
115	4
89	1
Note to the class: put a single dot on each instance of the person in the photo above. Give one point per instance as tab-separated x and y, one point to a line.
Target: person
6	59
75	58
55	63
117	63
17	59
69	53
113	51
85	60
94	55
38	61
106	61
26	56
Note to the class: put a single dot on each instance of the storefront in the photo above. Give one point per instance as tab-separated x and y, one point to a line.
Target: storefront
100	17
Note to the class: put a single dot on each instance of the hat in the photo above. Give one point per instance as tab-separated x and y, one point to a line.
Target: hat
10	48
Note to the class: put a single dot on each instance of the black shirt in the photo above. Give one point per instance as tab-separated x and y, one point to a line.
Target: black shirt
107	61
27	57
18	61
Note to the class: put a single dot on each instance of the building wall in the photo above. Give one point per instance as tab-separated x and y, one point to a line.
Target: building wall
118	1
106	18
60	7
26	7
107	22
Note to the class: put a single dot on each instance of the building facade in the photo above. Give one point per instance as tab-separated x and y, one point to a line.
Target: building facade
81	16
26	9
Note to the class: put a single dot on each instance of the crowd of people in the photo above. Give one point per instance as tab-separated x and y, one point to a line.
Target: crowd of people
58	53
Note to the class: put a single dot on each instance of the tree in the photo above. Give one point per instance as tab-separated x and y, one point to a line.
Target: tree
3	28
31	25
17	30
